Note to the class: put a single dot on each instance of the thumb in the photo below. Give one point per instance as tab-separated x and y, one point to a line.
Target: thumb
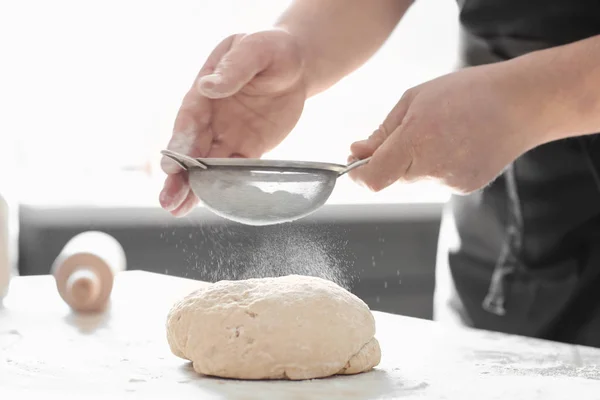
374	174
237	67
365	148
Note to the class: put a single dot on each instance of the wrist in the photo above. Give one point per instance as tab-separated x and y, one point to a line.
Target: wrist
535	97
554	91
528	104
307	57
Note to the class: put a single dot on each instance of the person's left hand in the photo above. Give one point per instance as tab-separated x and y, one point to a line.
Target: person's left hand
461	129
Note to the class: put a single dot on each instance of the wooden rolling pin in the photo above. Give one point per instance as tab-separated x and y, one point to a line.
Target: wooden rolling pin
5	253
85	270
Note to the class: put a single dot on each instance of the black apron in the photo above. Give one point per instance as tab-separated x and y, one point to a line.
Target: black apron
526	256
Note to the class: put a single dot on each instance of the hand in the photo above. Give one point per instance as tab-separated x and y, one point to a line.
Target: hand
461	130
246	99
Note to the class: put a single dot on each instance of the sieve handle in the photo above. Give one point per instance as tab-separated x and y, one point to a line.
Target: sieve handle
354	164
181	159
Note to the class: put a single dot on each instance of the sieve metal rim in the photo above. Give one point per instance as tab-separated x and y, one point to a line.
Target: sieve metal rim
254	163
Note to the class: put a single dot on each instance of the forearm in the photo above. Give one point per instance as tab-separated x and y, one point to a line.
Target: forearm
558	90
338	36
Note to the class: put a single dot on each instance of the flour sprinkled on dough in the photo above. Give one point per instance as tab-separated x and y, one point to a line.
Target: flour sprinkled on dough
292	327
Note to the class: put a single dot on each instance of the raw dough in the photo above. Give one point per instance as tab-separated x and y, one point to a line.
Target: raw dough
292	327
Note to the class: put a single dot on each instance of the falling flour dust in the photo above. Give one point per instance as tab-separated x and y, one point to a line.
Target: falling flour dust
235	252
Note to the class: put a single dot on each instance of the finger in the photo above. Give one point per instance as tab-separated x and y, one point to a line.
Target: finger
236	68
395	117
174	192
224	149
391	161
217	54
186	206
220	150
192	135
366	148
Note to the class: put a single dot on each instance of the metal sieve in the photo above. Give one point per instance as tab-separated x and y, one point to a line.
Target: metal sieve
261	192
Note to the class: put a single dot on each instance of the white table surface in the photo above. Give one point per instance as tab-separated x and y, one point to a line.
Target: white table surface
46	350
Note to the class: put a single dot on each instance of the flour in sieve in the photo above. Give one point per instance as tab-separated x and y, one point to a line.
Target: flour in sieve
261	198
250	205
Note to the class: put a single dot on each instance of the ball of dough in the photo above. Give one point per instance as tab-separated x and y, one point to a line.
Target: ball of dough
291	327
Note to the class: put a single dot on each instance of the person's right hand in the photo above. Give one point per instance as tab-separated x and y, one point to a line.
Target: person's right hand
246	99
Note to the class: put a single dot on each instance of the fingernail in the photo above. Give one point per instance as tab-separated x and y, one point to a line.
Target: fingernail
209	82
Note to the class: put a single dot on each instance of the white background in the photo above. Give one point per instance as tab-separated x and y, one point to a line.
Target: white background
89	91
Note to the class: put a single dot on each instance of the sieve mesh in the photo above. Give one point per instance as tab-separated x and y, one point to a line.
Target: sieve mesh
262	196
261	192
